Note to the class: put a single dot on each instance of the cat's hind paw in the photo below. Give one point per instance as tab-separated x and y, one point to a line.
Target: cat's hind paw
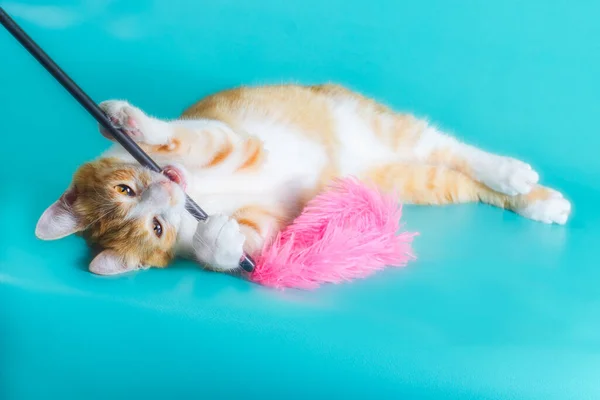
550	208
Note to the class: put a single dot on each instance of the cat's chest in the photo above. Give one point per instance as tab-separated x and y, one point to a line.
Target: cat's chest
226	194
292	164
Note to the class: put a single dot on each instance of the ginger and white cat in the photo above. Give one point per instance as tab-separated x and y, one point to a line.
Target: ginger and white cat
251	157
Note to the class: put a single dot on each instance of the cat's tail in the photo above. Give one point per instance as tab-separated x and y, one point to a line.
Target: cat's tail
349	231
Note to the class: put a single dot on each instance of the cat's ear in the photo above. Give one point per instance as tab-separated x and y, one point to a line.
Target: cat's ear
59	220
108	262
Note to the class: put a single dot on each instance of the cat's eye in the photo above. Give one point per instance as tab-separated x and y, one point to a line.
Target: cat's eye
157	227
124	189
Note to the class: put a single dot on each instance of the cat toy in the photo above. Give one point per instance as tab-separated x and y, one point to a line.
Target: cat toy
349	231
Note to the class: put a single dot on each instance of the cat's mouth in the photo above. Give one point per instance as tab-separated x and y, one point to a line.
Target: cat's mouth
175	175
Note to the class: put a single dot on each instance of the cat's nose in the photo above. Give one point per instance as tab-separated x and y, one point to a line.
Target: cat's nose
158	194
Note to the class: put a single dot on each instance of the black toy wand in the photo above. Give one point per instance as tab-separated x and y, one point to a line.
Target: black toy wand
121	137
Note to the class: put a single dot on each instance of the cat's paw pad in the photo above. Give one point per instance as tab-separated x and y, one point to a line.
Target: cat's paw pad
219	242
124	116
554	209
509	176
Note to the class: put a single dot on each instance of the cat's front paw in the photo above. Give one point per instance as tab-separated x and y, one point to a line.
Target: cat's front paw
547	206
219	243
124	116
509	176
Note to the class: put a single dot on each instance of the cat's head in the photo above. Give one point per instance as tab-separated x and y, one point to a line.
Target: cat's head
130	213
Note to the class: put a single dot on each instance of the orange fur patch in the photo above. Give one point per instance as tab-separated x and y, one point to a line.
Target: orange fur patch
220	155
446	157
433	185
538	193
249	223
171	147
254	154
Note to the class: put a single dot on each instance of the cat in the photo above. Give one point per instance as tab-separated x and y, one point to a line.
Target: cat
252	157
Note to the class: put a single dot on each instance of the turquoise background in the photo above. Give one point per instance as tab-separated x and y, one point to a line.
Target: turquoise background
496	307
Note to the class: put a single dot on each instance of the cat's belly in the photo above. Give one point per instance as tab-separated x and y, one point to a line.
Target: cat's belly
293	165
225	195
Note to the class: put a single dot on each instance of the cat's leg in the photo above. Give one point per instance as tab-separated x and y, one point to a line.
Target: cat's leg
139	126
196	143
503	174
414	138
437	185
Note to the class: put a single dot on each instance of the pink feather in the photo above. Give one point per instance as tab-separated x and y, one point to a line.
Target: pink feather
349	231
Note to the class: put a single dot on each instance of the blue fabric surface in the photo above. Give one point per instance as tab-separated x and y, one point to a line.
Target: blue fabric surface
496	307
